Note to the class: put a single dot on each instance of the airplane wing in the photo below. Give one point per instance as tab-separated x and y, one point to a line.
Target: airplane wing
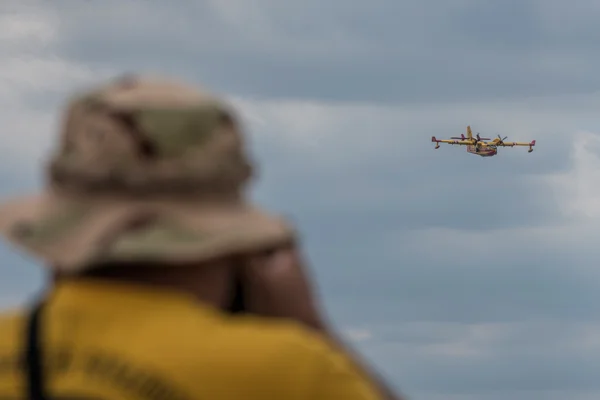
512	144
455	142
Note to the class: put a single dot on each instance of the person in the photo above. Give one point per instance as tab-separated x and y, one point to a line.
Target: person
166	281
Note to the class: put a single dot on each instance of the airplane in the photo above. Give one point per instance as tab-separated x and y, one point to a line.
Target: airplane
478	145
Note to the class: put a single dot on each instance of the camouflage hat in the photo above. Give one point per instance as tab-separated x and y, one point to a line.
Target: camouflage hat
147	169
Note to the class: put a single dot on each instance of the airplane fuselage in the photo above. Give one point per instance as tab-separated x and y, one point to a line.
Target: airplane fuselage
482	152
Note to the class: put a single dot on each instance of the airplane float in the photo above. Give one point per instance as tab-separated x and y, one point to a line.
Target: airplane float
481	146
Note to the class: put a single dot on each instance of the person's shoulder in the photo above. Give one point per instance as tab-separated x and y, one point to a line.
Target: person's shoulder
301	360
269	338
11	319
260	354
287	345
283	335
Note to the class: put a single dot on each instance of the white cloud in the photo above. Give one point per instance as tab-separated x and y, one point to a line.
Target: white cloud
516	394
21	31
34	81
33	74
578	186
486	340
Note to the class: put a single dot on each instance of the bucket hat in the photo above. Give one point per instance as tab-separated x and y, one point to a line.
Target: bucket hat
146	168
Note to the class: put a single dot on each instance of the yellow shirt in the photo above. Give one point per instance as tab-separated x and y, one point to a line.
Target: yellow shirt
109	341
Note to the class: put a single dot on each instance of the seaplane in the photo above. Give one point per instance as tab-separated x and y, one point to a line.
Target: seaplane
483	147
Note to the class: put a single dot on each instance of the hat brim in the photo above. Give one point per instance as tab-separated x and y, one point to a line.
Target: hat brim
74	234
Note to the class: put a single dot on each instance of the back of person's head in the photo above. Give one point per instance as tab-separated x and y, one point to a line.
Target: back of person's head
149	172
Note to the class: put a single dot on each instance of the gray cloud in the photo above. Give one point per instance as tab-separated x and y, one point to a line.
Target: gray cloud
383	51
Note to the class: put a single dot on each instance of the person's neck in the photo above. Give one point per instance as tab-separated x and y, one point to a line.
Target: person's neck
207	285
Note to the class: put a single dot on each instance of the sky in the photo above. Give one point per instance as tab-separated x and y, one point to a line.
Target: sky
458	277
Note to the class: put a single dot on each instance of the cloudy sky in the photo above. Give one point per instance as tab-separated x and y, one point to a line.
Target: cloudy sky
459	277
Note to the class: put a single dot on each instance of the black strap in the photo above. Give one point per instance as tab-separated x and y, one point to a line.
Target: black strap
238	305
33	356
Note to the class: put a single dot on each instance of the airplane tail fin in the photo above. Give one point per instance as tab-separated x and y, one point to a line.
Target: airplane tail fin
469	133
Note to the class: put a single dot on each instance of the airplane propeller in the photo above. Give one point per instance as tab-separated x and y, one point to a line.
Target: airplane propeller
502	140
477	138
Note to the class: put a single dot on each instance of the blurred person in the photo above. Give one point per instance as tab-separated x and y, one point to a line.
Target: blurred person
166	282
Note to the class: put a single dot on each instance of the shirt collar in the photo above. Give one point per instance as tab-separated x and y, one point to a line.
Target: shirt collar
106	294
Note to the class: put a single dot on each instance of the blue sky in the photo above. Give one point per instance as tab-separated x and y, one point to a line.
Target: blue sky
459	277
